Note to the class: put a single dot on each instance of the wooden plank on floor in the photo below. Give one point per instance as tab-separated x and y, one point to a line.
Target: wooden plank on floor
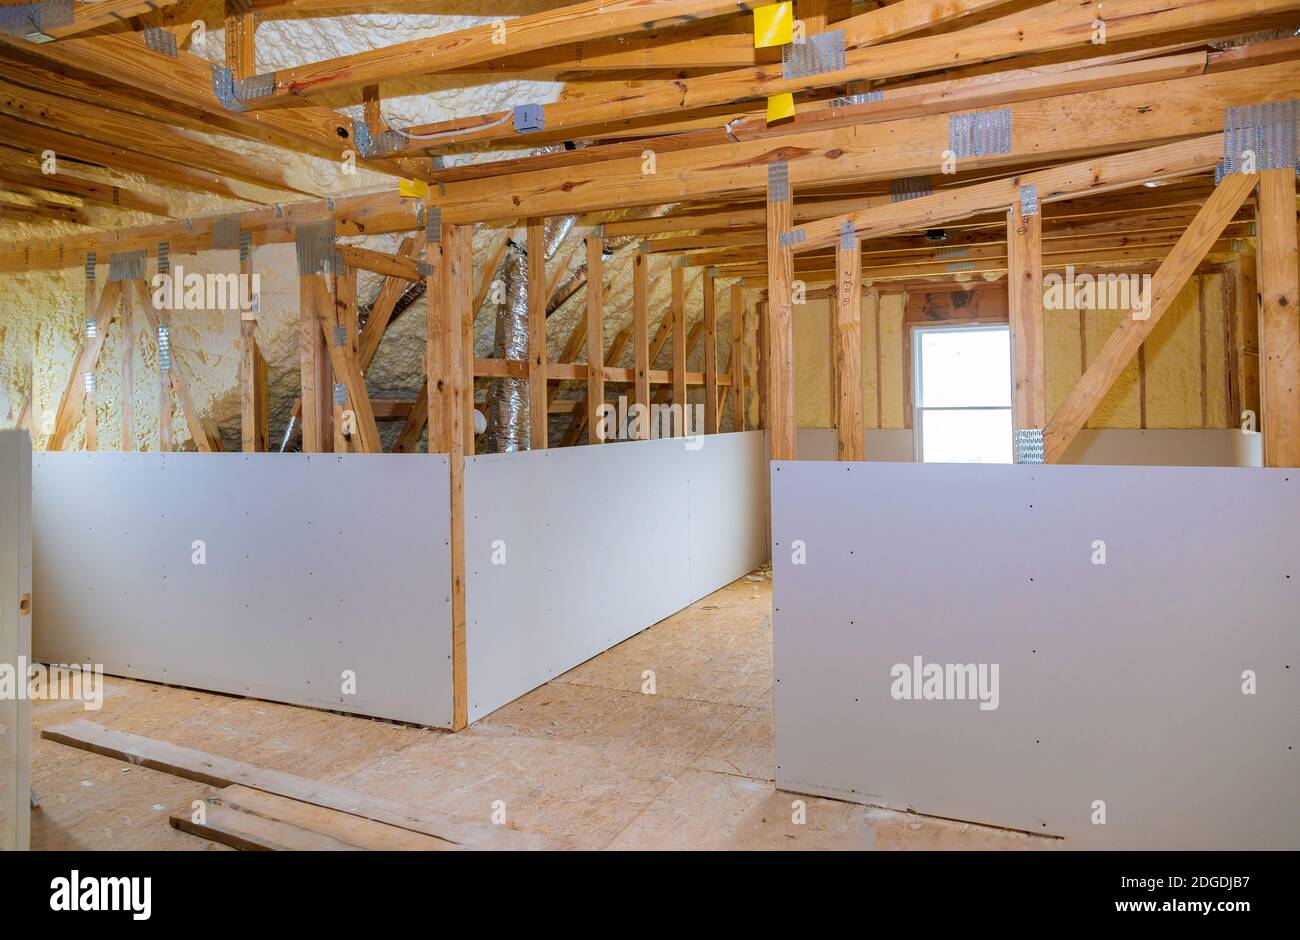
249	833
355	831
223	771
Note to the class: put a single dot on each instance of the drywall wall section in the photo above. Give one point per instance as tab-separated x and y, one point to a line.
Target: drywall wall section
726	512
1120	685
570	551
278	576
15	636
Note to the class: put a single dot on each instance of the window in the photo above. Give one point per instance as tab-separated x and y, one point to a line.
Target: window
963	394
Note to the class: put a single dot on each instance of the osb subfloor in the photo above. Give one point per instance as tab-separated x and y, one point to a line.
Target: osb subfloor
587	761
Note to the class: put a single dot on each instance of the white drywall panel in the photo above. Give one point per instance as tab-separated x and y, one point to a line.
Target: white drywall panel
595	544
15	636
314	565
1120	682
727	509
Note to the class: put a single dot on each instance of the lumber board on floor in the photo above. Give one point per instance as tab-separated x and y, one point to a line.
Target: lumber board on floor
223	771
354	831
250	833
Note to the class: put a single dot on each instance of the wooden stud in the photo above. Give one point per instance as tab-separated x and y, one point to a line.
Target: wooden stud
128	374
458	271
762	365
538	357
780	327
241	56
317	376
641	338
437	332
849	425
595	336
166	442
1246	313
1025	315
1279	318
737	366
710	352
254	430
678	311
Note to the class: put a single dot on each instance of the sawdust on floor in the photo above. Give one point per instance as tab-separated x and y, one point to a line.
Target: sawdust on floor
588	761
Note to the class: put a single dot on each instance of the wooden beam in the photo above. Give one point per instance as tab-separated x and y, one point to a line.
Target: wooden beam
102	194
538	357
591	19
381	311
1070	29
849	423
615	109
105	13
1279	318
118	158
595	336
186	80
1063	127
1124	341
780	320
1097	175
141	136
710	325
641	335
369	214
1025	315
737	365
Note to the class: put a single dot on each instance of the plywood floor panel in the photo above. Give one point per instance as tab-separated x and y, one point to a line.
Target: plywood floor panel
586	761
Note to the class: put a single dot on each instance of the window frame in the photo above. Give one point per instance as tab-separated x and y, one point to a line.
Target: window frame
918	409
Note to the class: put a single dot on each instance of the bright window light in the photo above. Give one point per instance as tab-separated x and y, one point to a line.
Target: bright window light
963	394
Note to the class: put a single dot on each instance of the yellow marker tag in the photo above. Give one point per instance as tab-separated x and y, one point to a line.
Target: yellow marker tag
416	188
780	106
773	25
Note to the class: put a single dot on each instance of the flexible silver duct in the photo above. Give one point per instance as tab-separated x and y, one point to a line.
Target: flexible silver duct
506	408
576	279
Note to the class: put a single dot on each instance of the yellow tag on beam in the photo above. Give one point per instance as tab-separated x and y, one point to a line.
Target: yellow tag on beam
417	188
773	25
780	106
